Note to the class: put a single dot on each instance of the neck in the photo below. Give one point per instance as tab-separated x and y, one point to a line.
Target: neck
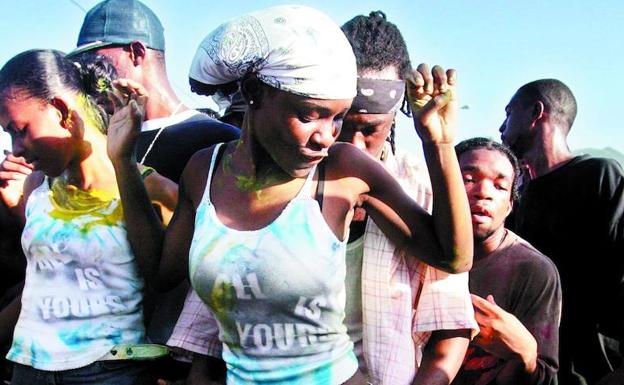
484	248
163	101
549	151
92	170
250	164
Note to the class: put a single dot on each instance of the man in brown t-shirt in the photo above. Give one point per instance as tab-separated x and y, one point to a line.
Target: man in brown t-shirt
516	289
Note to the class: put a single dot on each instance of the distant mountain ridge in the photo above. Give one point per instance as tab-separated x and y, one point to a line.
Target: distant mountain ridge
606	152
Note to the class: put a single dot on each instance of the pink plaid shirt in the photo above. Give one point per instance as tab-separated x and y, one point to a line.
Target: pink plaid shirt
403	299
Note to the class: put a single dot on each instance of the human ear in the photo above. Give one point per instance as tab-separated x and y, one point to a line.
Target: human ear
63	112
510	208
538	110
252	90
137	52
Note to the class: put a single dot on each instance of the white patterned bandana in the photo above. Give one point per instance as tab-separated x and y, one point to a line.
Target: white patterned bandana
293	48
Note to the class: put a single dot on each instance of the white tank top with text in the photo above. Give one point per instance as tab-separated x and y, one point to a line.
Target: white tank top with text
278	294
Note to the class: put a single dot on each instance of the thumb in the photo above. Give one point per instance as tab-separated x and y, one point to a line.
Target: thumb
136	113
437	103
490	299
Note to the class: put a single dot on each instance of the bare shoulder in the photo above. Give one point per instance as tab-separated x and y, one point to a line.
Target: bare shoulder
353	165
345	160
195	174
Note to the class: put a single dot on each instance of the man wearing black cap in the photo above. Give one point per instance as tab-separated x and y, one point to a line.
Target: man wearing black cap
129	34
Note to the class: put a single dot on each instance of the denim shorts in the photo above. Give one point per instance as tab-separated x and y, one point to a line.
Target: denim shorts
120	372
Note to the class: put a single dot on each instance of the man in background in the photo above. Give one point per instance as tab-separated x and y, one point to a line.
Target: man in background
572	210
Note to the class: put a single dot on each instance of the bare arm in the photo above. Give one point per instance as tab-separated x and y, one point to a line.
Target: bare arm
442	357
433	99
162	259
443	239
163	193
145	231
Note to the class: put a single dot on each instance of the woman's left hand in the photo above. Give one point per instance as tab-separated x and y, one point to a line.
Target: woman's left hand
433	99
129	99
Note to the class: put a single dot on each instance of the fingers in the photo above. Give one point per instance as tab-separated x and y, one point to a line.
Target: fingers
425	85
439	79
136	112
423	70
129	87
483	306
434	105
14	165
116	100
490	299
126	90
451	75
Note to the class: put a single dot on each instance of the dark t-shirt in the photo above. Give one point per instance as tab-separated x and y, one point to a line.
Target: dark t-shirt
574	215
526	284
178	142
171	151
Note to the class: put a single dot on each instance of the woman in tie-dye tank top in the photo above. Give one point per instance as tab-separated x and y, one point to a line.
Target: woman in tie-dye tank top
262	222
82	300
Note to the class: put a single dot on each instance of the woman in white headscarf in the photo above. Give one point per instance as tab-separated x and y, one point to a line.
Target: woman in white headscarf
262	222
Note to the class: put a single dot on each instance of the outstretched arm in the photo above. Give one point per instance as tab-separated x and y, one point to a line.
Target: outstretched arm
443	240
145	231
162	259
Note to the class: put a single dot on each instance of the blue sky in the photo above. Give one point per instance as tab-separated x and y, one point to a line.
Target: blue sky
495	45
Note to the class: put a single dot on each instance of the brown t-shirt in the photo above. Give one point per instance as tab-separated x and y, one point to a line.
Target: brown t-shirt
525	283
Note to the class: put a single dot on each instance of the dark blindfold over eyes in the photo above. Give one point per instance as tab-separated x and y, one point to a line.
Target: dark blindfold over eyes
378	96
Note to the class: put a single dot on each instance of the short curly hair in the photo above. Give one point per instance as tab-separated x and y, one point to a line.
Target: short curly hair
488	144
377	43
557	97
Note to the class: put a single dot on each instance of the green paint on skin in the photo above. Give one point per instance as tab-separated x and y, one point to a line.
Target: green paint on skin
250	183
70	202
91	117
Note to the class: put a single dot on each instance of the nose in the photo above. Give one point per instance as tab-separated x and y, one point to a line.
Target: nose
502	129
325	135
483	190
358	140
18	147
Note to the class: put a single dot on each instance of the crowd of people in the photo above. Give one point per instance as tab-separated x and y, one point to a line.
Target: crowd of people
289	240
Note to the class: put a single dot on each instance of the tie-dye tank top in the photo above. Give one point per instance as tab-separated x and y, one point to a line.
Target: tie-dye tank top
278	294
82	293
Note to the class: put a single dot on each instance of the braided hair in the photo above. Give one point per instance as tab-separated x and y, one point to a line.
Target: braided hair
377	45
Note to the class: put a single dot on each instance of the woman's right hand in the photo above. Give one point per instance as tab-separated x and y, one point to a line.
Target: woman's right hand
13	172
129	99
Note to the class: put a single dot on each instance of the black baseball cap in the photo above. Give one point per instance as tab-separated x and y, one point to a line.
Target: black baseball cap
113	22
